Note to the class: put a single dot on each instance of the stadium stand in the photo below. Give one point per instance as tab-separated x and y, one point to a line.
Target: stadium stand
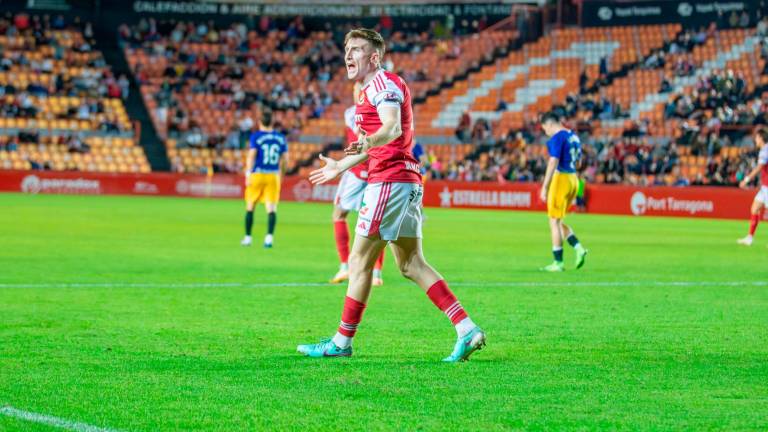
193	81
541	74
656	104
60	105
678	114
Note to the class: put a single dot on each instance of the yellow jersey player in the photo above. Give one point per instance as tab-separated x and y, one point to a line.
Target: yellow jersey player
267	159
560	187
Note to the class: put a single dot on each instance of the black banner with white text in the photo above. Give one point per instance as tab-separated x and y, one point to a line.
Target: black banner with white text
689	13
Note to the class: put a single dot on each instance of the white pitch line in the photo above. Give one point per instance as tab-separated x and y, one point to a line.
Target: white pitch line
163	285
315	284
58	422
615	283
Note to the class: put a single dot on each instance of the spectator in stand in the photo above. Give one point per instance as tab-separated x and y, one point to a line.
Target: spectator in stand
245	124
75	144
463	129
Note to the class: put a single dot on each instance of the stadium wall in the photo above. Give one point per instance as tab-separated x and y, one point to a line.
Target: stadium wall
693	201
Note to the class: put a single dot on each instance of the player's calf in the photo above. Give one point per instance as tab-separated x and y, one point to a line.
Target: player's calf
248	240
271	222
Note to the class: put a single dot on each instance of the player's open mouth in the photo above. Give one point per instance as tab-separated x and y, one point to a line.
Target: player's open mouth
350	67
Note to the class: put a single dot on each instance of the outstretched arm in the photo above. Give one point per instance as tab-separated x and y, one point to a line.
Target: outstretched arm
334	168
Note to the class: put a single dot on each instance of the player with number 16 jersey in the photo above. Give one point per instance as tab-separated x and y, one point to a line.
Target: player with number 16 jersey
266	159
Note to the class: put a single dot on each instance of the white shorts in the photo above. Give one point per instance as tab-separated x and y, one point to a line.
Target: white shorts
349	194
391	211
762	195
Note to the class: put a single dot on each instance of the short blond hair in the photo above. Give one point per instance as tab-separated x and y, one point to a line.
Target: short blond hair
372	36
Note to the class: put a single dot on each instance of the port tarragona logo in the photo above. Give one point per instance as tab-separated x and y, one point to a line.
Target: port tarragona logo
638	203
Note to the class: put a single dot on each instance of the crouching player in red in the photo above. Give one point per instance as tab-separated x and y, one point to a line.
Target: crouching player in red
761	199
391	211
349	197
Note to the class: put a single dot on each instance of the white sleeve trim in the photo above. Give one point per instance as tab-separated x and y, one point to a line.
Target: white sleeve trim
383	91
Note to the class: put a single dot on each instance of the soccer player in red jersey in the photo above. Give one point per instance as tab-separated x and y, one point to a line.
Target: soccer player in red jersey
391	211
349	197
761	199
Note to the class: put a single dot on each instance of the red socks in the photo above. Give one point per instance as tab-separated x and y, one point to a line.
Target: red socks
444	299
380	261
350	318
753	221
342	240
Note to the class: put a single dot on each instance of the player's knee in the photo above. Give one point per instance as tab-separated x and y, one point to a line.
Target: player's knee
410	268
339	214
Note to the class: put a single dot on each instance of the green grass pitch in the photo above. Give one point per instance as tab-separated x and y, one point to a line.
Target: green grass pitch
106	319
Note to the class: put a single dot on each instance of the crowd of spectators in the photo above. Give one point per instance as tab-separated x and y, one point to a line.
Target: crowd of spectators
74	69
243	47
717	113
627	160
221	72
72	49
521	156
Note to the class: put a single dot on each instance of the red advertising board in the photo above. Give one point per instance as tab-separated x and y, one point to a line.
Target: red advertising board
87	183
694	201
730	203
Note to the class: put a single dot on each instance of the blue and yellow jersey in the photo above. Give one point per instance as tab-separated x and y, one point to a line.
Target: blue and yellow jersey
269	146
566	147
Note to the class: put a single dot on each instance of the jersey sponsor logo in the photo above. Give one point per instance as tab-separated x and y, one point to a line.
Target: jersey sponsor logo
641	203
411	166
362	226
364	211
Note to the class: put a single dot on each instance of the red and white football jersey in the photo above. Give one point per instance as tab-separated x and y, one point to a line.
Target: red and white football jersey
360	170
392	162
762	158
